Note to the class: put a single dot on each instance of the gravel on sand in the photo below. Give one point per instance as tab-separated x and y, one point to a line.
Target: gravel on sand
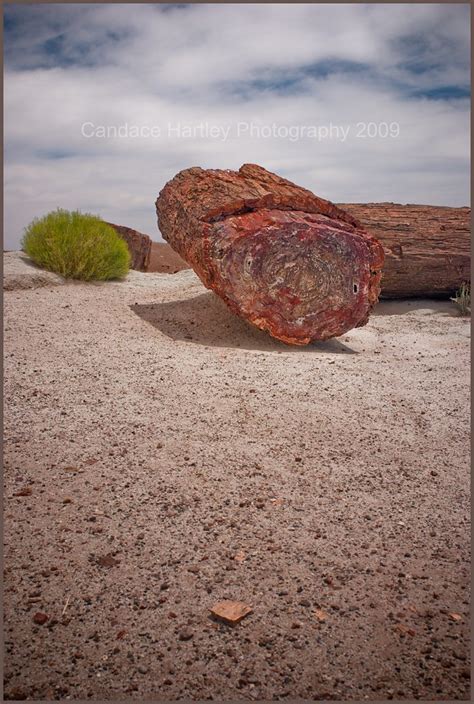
161	456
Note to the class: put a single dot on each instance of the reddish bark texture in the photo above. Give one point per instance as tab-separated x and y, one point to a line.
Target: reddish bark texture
139	246
427	248
289	262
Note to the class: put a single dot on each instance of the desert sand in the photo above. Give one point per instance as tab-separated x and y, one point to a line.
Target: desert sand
162	455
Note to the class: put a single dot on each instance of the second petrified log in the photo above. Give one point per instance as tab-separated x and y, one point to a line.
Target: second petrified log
139	246
427	247
289	262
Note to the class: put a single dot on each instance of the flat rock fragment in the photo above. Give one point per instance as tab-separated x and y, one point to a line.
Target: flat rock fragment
231	612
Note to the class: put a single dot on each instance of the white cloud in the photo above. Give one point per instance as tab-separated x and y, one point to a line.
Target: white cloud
222	64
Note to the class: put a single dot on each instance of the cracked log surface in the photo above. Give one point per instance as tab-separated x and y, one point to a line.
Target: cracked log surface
287	261
427	247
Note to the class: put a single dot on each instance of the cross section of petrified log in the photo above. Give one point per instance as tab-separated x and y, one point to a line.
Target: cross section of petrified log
289	262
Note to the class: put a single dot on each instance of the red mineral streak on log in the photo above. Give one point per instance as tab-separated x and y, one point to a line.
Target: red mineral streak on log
289	262
427	248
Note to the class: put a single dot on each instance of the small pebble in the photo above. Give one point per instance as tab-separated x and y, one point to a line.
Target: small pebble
185	634
40	618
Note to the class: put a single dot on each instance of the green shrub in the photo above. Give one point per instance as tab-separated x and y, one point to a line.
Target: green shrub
463	299
77	246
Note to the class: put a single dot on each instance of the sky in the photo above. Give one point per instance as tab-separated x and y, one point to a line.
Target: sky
105	103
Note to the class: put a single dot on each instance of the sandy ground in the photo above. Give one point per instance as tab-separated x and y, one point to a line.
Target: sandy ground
161	455
21	273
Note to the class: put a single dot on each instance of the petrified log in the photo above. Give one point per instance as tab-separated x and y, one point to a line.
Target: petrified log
427	247
139	246
289	262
